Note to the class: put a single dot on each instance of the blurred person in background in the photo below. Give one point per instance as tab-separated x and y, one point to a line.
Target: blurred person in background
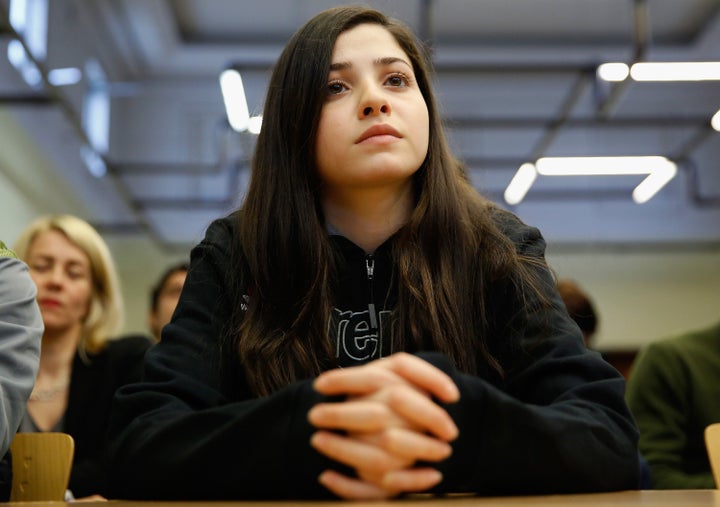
80	365
21	330
580	307
164	297
674	394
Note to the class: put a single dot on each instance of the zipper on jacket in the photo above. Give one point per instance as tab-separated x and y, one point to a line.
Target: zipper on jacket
370	267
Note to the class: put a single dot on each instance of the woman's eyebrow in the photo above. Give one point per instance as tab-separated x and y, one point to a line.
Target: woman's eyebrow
389	60
378	62
340	66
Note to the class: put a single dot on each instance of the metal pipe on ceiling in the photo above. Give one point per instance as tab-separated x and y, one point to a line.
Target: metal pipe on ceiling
641	41
53	95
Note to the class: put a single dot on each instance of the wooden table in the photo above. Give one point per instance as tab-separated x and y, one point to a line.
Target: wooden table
657	498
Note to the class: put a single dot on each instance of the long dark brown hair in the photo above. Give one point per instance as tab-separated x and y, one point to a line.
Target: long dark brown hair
447	255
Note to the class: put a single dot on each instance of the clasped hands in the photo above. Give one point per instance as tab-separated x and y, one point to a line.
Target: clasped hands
388	422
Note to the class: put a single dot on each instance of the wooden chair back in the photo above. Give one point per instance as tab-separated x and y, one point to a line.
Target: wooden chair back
41	464
712	442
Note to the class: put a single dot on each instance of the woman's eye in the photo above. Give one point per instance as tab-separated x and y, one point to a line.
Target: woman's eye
335	87
397	80
76	275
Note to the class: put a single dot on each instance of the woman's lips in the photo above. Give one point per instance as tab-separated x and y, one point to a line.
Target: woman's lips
378	134
49	303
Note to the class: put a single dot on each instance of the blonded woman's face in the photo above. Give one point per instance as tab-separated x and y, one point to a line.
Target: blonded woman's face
62	273
374	125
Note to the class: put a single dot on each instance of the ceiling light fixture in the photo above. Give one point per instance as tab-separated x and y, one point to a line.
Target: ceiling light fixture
24	65
233	94
520	184
659	170
236	106
613	72
93	161
675	71
255	124
65	76
660	71
715	121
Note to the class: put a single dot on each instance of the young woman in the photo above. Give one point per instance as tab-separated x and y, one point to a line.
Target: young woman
80	367
366	325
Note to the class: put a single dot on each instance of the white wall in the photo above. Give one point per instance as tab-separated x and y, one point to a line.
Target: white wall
24	173
641	296
15	210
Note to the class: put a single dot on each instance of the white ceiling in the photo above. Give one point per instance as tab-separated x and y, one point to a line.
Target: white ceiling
516	80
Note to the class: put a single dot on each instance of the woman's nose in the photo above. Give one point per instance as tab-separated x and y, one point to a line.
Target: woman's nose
374	103
56	276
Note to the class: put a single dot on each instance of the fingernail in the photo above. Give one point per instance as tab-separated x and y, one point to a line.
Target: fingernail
311	415
453	393
453	432
438	476
448	450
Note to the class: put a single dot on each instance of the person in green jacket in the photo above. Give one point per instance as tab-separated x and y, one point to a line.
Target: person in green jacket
674	394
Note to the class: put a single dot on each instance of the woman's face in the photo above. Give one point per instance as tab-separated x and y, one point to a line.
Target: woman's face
374	125
61	271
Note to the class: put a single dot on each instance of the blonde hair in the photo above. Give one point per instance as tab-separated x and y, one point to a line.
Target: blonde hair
106	308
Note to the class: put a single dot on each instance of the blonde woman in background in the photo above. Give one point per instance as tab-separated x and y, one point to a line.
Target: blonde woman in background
80	365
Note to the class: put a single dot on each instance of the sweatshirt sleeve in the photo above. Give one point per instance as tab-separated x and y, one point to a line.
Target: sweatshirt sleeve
178	434
664	400
557	422
21	330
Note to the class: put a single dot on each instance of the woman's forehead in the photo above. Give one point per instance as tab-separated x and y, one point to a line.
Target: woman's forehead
368	40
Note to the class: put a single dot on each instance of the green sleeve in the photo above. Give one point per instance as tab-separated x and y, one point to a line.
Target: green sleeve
659	393
6	252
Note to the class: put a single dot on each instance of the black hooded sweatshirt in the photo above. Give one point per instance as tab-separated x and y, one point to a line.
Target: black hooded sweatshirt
556	422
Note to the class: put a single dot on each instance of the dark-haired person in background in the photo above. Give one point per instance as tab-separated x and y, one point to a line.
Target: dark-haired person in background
164	297
580	307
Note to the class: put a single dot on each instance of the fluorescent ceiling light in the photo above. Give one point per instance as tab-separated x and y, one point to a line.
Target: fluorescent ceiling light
675	71
600	166
16	53
613	72
29	18
235	102
93	161
24	65
255	124
660	71
64	77
715	121
659	170
96	109
520	184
